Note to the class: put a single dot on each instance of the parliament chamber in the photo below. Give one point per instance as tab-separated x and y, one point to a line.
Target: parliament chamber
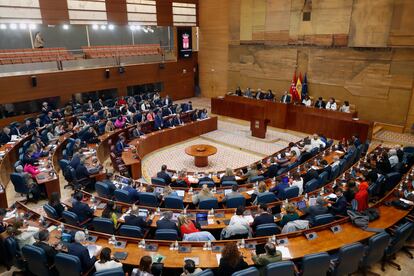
202	138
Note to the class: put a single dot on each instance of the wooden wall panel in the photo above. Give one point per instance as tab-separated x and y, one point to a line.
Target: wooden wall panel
54	11
370	23
214	40
164	13
234	22
176	83
277	21
402	25
116	12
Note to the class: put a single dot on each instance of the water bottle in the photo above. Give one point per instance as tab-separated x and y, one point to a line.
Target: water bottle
209	245
242	244
86	232
176	245
274	239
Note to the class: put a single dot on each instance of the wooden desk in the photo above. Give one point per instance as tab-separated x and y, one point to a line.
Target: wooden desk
201	154
333	124
161	138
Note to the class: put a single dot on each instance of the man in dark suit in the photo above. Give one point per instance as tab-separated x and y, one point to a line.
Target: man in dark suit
81	209
339	207
272	169
279	187
77	249
263	217
48	119
135	220
133	193
43	243
27	127
158	121
320	103
164	174
5	136
310	173
317	209
99	105
120	145
177	121
166	111
166	222
286	98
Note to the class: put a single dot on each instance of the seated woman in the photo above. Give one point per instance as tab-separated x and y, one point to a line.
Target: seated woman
23	236
55	203
239	226
231	260
203	114
105	261
261	189
28	172
307	101
345	107
109	126
288	214
120	122
204	194
169	192
144	268
109	212
186	226
228	176
297	181
182	180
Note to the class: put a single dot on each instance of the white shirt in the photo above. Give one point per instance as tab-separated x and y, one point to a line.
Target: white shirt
108	265
299	184
345	109
296	150
239	220
330	105
144	107
317	143
393	160
307	102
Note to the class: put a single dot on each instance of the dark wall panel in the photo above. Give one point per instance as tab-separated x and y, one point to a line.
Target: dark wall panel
14	39
73	38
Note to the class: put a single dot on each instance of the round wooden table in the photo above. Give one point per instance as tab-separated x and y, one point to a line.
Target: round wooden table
201	154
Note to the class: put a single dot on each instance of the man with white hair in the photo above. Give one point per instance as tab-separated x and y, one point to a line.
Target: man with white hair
77	249
392	157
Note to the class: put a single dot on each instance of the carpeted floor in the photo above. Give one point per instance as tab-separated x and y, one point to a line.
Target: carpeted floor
405	139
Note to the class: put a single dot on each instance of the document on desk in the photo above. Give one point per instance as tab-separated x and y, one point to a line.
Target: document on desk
93	249
180	192
285	252
250	192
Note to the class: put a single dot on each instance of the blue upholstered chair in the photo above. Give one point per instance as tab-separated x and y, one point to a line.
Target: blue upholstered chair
323	219
50	212
211	203
166	234
315	264
36	260
68	265
158	181
235	201
104	225
311	185
148	199
70	218
285	268
251	271
266	197
267	229
228	183
130	231
19	183
289	192
123	196
173	202
111	272
375	250
257	178
398	240
347	260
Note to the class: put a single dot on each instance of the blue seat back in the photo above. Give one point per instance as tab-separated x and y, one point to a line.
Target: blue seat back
323	219
130	231
158	181
266	229
402	233
208	204
102	189
315	264
63	163
335	172
111	272
70	218
257	178
391	180
311	185
173	202
349	257
68	265
285	268
104	225
209	183
376	248
266	197
50	211
166	234
19	183
289	192
123	196
323	179
251	271
148	199
235	201
10	246
206	272
228	183
36	260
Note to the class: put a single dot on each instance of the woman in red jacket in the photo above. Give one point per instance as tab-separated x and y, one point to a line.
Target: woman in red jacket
186	226
362	196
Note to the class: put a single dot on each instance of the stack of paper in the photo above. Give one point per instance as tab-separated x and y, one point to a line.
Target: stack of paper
285	252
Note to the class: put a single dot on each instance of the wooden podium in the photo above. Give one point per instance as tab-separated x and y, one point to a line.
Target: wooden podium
259	127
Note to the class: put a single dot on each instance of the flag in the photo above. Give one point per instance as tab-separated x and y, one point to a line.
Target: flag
298	89
292	90
305	87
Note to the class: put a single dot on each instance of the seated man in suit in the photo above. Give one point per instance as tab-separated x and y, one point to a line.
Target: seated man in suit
28	126
137	132
262	217
120	145
5	136
278	188
320	103
74	163
166	222
81	209
43	242
48	119
339	207
271	256
286	98
310	173
83	174
164	174
91	136
177	121
135	220
318	209
77	249
234	193
168	122
272	169
132	191
158	121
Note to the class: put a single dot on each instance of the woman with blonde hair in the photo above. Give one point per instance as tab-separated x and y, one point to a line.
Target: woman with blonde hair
186	226
261	189
228	176
109	127
289	214
204	194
